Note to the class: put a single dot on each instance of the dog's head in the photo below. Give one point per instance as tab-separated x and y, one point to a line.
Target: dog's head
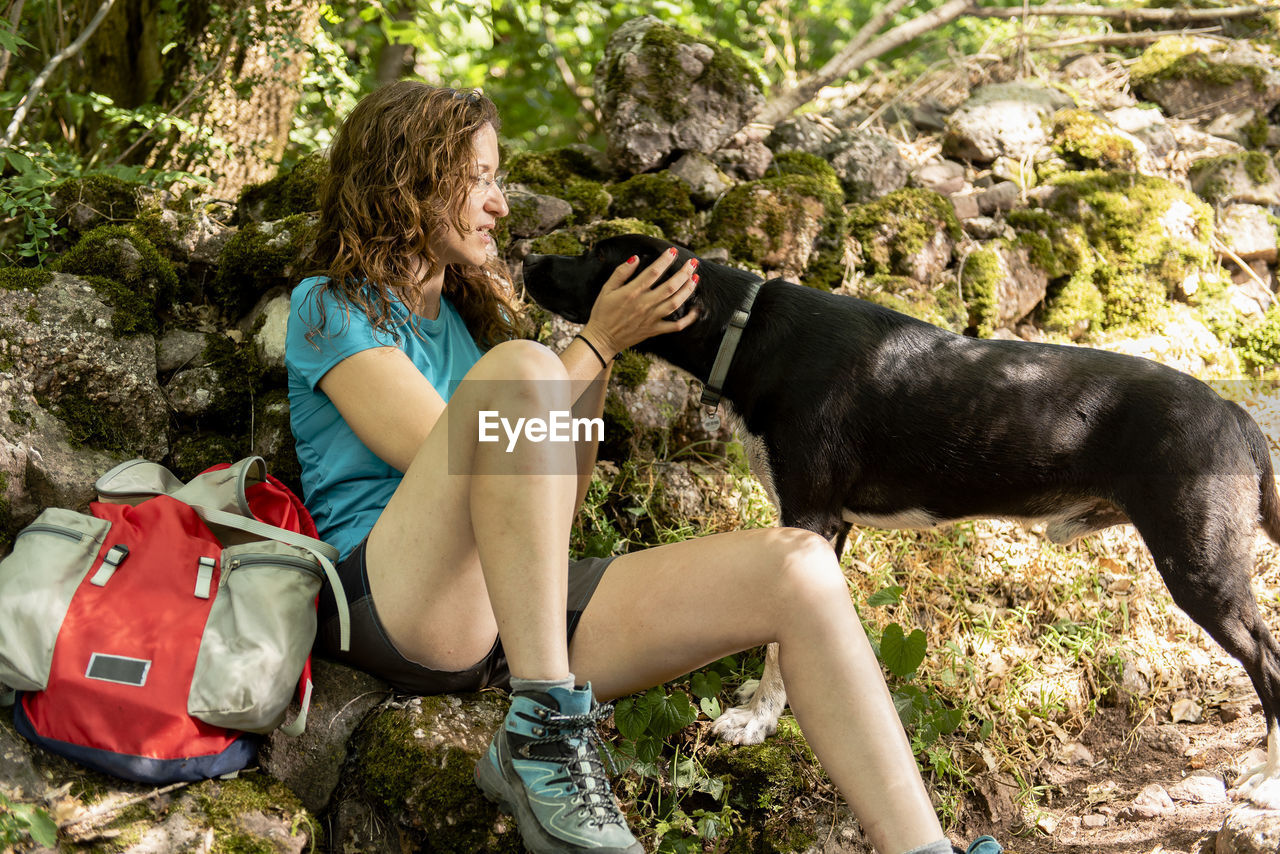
569	284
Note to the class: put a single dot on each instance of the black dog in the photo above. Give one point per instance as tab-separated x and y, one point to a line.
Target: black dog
855	414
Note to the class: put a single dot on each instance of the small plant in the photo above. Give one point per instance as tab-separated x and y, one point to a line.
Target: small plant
20	823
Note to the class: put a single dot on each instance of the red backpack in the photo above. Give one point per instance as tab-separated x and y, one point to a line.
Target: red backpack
155	637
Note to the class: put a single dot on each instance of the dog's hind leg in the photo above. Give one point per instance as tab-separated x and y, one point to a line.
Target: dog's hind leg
762	703
1207	564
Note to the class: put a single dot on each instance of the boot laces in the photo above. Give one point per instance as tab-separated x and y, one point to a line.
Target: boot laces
591	764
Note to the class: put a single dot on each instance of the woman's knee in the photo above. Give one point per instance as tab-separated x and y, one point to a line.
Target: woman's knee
807	566
519	360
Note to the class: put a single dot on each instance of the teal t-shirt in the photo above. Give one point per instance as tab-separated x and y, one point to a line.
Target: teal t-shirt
345	485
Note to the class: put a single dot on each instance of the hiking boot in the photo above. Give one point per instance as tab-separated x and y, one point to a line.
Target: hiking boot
547	767
981	845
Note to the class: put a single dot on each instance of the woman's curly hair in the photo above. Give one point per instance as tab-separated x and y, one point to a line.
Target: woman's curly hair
400	169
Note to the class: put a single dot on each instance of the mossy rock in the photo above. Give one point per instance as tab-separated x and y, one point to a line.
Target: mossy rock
895	228
557	243
565	173
774	221
940	305
1088	141
659	198
423	774
240	369
1138	221
980	275
257	258
127	272
229	807
1073	308
727	72
1189	58
79	204
764	783
1248	177
293	191
193	452
606	228
1258	346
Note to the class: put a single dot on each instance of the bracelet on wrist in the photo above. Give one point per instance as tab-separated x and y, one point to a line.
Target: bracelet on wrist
582	338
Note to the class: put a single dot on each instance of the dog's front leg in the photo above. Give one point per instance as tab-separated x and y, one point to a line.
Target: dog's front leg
762	703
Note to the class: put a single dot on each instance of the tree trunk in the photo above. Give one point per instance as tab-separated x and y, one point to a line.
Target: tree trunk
248	82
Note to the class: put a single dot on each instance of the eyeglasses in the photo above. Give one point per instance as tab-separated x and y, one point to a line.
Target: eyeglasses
484	182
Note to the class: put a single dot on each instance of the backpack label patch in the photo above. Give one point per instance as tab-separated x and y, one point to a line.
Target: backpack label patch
118	668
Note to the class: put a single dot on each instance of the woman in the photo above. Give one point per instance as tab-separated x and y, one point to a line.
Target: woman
449	542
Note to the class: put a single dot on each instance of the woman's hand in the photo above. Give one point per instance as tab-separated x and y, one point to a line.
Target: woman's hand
629	310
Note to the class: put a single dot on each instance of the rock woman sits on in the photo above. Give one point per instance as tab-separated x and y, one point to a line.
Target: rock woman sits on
455	550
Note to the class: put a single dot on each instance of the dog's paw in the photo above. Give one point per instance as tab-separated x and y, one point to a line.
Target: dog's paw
744	725
1259	788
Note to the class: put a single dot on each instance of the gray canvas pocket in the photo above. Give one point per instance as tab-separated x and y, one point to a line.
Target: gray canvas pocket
49	561
257	638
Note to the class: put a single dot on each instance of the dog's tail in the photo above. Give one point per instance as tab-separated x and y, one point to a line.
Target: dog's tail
1268	500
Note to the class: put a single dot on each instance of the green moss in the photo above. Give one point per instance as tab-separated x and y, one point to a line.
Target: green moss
241	371
980	276
256	258
1179	58
1258	347
110	199
557	243
726	72
659	198
755	219
631	369
606	228
893	228
621	434
127	272
293	191
1088	141
224	801
87	423
1212	176
560	173
1121	214
24	278
401	776
765	781
940	306
193	452
1074	307
1256	130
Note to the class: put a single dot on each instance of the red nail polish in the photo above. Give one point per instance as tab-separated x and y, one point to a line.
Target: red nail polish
672	250
632	259
695	278
693	263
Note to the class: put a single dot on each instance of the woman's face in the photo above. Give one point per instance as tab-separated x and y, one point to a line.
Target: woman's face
484	206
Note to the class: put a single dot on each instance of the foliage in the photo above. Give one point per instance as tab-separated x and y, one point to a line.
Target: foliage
21	823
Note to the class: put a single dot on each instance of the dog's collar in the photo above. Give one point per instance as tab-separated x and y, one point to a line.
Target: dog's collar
728	346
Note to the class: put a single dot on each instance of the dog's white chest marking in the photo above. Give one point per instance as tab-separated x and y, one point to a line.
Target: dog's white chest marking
914	518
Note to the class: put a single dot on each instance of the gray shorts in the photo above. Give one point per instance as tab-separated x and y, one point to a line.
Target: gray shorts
372	651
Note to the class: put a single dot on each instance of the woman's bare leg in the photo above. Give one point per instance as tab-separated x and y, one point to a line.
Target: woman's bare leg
475	539
663	612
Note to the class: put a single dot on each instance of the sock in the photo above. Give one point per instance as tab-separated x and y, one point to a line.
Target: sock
942	846
542	686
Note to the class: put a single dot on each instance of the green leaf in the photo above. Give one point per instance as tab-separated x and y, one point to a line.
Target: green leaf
42	829
890	595
901	654
648	749
705	684
671	714
710	707
631	718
